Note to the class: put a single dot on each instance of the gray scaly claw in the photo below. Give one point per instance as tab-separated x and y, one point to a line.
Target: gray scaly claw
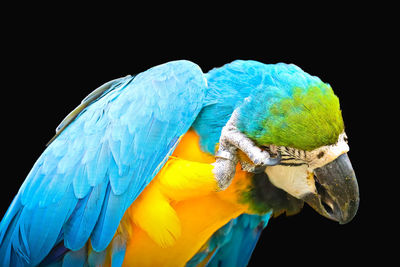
230	141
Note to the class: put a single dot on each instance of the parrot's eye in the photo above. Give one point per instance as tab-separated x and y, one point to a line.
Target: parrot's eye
320	154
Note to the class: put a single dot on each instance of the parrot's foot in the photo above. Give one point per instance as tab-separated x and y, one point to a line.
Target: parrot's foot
251	167
230	141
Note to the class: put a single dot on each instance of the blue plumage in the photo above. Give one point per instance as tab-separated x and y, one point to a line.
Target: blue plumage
233	244
94	169
76	258
81	185
230	85
243	238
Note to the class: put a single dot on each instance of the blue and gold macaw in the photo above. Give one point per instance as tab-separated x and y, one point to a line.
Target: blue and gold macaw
175	167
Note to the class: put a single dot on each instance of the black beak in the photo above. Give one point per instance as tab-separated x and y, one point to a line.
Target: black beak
337	195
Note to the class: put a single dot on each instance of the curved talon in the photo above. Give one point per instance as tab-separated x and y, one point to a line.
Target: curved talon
260	168
273	161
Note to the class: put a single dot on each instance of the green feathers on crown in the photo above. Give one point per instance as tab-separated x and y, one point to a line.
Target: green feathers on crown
303	115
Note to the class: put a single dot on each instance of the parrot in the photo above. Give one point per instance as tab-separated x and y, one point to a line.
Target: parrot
177	167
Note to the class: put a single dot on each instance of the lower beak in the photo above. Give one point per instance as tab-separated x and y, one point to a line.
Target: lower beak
337	196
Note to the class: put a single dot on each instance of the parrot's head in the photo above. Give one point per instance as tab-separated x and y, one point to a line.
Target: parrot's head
299	117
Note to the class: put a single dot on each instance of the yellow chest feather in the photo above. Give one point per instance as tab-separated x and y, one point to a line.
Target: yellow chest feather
180	209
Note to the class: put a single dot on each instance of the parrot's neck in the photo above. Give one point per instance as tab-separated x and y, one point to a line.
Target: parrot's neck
220	104
256	192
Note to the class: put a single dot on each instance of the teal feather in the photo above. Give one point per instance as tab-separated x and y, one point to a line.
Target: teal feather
76	258
97	258
118	249
79	227
232	244
228	86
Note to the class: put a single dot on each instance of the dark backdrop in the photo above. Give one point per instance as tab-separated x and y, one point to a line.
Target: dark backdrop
48	72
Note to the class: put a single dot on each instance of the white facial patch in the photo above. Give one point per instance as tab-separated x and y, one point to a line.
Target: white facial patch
323	155
298	179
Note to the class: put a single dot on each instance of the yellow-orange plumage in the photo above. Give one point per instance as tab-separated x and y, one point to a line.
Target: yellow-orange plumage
180	209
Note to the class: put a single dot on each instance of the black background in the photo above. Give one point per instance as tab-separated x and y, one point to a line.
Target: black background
48	69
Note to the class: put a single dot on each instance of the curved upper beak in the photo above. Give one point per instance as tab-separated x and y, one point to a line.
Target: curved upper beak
337	196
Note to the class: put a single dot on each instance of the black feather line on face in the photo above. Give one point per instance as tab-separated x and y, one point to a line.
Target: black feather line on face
289	154
291	164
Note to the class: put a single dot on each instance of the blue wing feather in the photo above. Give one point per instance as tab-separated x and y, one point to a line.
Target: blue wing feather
233	244
243	239
81	185
79	227
76	258
118	251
